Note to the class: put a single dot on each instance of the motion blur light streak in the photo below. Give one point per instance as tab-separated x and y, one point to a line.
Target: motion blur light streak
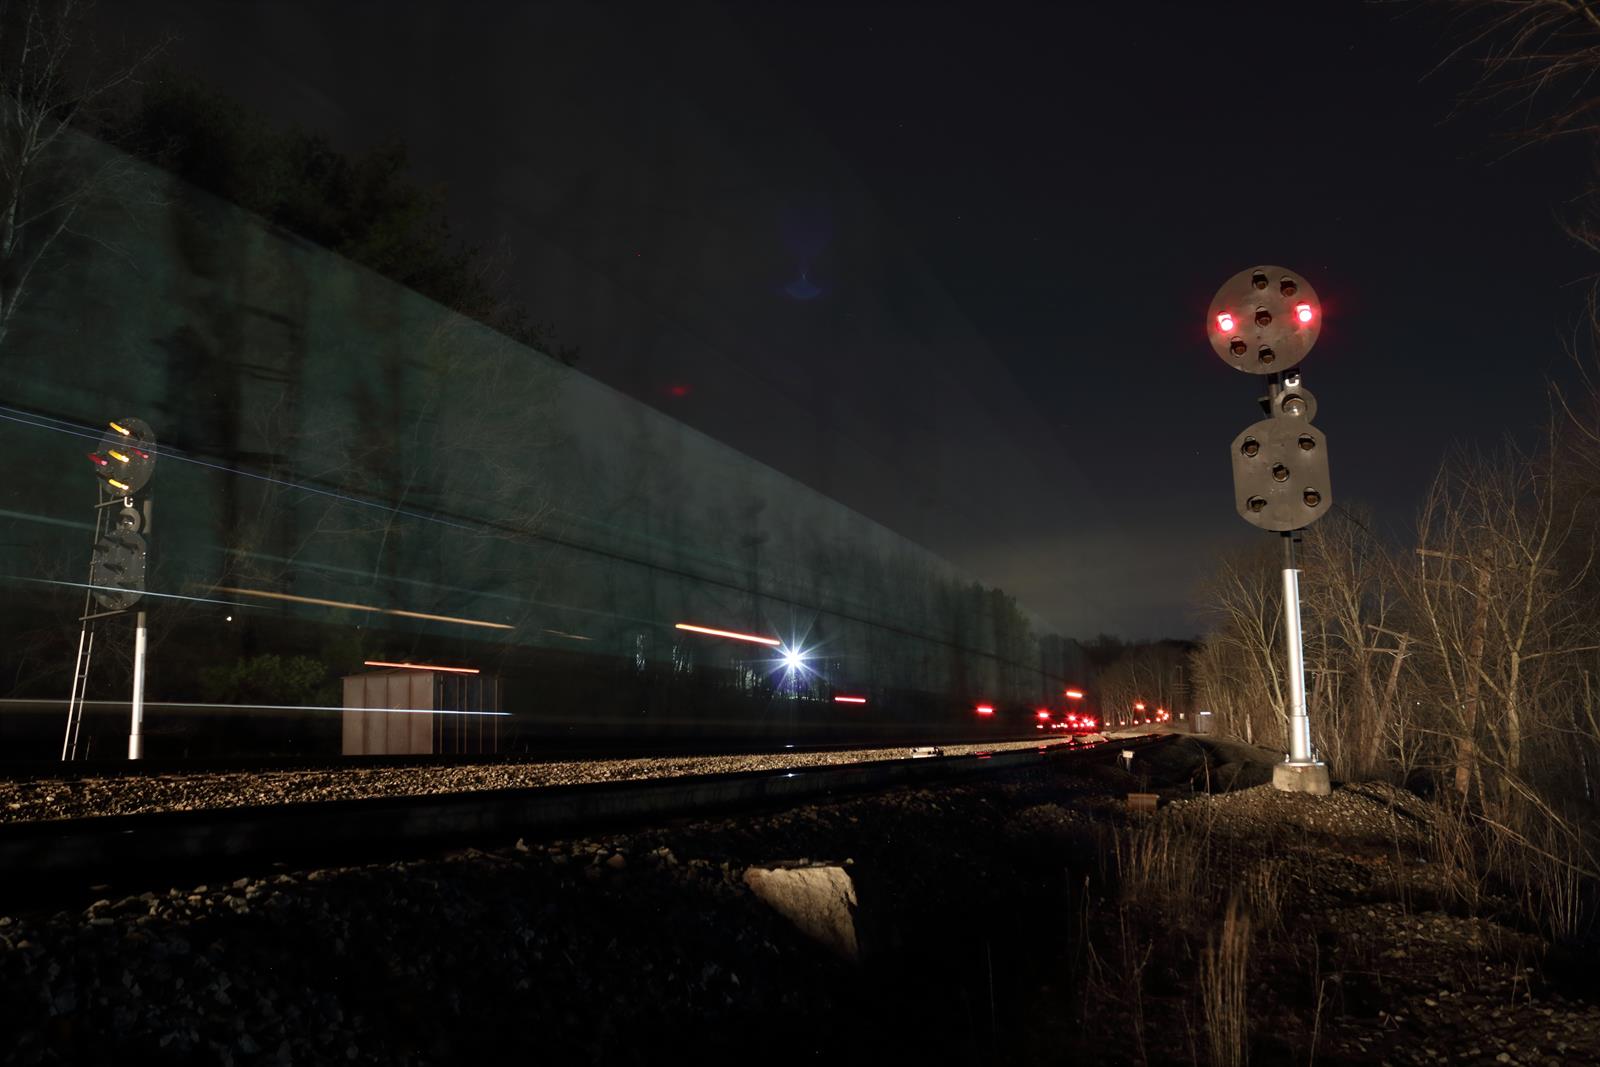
40	422
753	638
62	426
849	700
447	618
146	592
319	602
432	587
985	709
324	707
1074	694
421	667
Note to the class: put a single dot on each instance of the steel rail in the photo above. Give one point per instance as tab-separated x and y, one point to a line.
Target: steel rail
111	846
553	749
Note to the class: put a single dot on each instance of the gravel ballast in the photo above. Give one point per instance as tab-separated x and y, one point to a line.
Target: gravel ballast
128	794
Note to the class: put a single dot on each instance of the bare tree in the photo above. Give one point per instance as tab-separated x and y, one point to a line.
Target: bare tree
1498	615
1241	669
49	86
1356	658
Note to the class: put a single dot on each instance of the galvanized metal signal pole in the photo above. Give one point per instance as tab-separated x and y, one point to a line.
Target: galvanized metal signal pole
140	641
1299	720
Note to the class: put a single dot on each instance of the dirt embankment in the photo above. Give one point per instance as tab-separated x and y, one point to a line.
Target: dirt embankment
1022	919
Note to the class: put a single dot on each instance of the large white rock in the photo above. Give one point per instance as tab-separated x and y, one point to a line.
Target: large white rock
820	901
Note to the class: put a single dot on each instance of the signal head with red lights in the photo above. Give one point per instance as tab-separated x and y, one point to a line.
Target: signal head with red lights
1264	320
126	456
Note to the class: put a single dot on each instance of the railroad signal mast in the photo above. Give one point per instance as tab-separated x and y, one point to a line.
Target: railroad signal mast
122	463
1264	321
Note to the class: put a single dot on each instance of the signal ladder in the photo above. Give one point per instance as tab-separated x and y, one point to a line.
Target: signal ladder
80	669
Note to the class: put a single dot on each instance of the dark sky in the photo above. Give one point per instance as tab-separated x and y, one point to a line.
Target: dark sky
1077	180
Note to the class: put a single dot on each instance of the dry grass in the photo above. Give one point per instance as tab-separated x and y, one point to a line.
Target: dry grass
1161	866
1262	888
1456	846
1224	989
1532	855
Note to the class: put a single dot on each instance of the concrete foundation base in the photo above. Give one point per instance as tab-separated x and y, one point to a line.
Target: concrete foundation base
1301	778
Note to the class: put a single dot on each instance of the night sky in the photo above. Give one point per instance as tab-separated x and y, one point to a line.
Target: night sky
1076	180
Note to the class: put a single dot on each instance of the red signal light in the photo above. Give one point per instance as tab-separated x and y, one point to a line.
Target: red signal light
1043	714
849	700
1302	312
98	460
985	709
1225	322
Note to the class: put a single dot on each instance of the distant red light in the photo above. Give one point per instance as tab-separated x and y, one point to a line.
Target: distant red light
1302	312
678	390
1043	714
985	709
849	700
1225	322
1138	707
1074	694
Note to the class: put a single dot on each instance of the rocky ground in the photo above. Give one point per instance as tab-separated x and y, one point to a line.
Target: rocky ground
66	798
1371	944
1002	921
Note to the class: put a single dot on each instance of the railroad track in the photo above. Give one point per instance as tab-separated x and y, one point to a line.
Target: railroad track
127	848
552	749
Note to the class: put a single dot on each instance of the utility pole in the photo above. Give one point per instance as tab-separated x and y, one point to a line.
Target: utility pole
1264	321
